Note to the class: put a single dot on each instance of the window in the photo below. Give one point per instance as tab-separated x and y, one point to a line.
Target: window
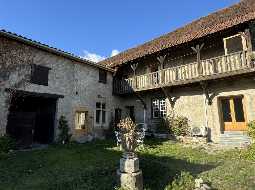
158	108
40	75
234	44
100	113
102	76
81	118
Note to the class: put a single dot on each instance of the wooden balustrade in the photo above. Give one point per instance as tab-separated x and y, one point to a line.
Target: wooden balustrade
173	75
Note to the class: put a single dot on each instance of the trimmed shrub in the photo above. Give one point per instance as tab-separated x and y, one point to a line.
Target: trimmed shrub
6	144
64	137
178	125
251	129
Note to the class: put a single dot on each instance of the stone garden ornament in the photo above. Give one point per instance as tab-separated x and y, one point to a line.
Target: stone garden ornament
129	174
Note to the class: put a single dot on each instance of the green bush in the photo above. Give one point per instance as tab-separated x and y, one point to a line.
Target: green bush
6	144
178	125
184	182
251	129
64	136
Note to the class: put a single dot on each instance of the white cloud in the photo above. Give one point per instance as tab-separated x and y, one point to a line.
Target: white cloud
92	56
115	52
95	57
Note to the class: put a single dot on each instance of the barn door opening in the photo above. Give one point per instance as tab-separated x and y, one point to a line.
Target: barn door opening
31	120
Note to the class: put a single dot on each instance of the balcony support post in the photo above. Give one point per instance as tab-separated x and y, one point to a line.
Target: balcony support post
247	36
204	86
198	49
161	60
134	67
208	99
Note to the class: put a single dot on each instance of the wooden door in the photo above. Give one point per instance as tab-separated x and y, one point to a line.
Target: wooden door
233	114
21	127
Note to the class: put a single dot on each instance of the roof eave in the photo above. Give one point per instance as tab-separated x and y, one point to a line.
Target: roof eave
53	50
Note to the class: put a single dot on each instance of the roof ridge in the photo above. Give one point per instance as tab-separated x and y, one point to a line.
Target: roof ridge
52	49
182	34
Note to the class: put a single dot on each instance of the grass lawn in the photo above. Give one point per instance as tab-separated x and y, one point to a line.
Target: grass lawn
93	166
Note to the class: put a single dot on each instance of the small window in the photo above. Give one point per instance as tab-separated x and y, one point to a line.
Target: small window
100	113
158	108
40	75
102	76
81	118
234	44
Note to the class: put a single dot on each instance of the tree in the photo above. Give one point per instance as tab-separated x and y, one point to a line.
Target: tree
64	136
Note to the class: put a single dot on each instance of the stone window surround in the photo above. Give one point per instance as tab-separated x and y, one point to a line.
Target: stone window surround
81	109
101	123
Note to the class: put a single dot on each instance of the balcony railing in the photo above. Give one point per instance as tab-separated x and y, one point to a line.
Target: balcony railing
216	67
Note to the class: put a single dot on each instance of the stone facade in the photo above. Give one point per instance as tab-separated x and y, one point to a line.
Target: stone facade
190	100
77	82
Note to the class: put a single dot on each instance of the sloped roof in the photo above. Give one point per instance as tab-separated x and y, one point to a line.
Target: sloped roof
215	22
50	49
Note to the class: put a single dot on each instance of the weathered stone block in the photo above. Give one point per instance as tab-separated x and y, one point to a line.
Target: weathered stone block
131	181
129	165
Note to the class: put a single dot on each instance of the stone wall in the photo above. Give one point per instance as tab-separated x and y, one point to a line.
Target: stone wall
77	82
191	103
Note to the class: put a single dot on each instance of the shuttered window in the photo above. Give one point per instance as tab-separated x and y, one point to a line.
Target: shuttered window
40	75
102	76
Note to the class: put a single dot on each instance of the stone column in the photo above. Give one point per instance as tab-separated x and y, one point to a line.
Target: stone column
129	174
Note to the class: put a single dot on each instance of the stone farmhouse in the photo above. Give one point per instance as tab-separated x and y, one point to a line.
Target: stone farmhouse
204	71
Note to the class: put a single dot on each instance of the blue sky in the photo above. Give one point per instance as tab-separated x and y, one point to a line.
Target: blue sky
94	28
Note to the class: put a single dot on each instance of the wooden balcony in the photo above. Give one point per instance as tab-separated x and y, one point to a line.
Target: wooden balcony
217	67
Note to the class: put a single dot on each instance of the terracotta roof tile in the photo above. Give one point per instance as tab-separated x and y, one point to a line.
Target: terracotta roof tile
215	22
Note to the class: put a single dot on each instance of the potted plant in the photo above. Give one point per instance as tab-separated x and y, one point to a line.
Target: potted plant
129	136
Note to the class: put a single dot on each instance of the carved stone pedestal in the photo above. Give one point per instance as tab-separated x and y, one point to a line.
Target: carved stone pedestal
129	174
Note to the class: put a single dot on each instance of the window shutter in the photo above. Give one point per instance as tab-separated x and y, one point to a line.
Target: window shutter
40	75
102	76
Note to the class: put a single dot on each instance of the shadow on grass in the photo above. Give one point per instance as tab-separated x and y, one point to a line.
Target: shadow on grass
90	166
159	171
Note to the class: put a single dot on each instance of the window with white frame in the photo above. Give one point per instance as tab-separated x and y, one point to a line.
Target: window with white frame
158	108
235	43
100	113
81	118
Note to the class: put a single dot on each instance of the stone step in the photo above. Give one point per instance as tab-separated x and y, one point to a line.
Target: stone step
234	138
234	135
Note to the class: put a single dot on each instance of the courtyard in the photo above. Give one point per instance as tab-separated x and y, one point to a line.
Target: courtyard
93	166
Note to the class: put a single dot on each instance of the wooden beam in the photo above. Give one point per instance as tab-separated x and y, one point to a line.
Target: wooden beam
24	93
247	36
198	49
134	67
172	99
161	60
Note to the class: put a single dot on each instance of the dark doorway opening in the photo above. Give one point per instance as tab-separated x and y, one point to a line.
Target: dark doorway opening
31	120
117	116
131	112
